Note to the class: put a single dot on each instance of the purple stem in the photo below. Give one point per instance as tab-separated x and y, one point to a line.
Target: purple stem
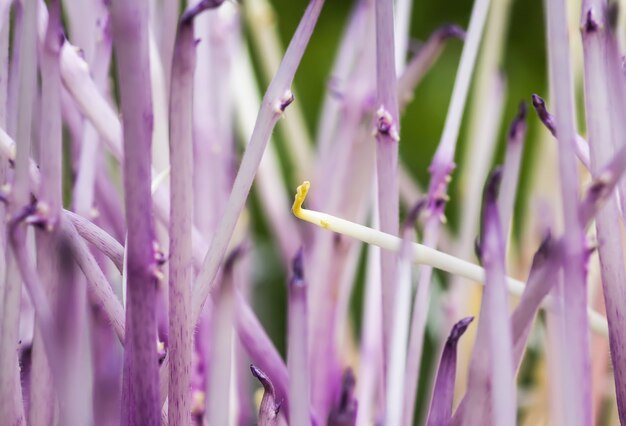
23	96
440	411
510	174
14	67
270	407
600	133
495	314
97	236
140	389
219	401
297	352
347	54
42	398
276	99
576	384
99	290
387	138
181	211
440	169
397	363
84	186
424	60
541	280
582	147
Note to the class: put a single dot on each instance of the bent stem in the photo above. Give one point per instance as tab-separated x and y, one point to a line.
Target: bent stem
422	255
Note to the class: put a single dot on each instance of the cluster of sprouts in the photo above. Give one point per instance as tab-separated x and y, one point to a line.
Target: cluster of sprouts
132	133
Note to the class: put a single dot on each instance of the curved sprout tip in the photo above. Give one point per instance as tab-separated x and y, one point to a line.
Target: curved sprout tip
301	194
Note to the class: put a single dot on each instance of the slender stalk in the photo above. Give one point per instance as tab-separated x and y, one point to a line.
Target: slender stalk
576	384
422	254
402	31
99	290
496	314
42	398
181	210
12	410
268	179
275	101
260	17
370	365
424	60
84	187
297	352
387	138
512	162
598	108
396	365
582	147
347	53
219	401
140	390
97	236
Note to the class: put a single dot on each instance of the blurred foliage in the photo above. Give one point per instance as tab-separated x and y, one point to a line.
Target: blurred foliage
524	67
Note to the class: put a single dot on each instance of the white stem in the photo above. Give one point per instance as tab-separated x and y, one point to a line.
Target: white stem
421	254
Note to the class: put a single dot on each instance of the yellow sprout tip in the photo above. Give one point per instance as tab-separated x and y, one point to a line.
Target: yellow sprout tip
301	193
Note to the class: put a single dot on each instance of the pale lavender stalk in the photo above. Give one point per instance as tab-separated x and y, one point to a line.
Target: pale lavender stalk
424	60
443	161
214	150
84	187
270	407
601	132
140	389
576	385
370	367
340	192
268	178
397	353
440	169
4	163
99	290
416	337
164	23
25	72
512	162
110	203
265	38
14	67
541	279
275	101
402	30
350	45
297	352
440	411
97	236
219	401
387	138
181	211
495	314
42	392
582	147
